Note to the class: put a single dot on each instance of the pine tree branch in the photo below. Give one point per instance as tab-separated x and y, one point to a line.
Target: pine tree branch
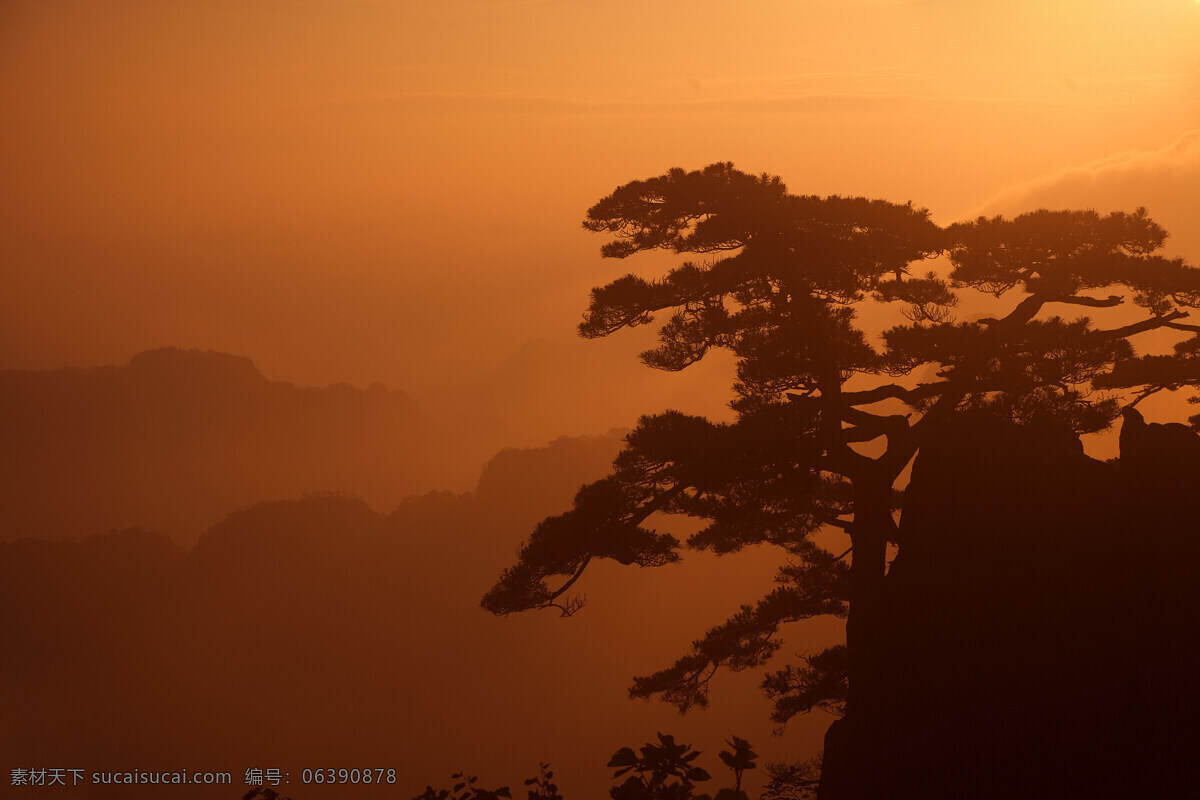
657	504
867	426
829	519
1141	327
1179	326
1024	311
875	422
1092	302
1144	394
891	391
1028	308
855	435
637	518
562	589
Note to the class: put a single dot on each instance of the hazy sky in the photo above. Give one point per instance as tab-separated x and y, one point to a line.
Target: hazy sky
390	190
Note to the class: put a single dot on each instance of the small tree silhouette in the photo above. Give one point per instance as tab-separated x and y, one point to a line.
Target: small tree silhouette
739	759
543	786
664	771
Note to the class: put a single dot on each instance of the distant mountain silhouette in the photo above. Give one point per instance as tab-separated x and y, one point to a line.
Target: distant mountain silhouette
518	480
1042	638
318	632
175	439
549	388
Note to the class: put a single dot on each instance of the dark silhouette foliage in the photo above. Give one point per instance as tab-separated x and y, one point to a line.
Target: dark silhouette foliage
665	770
793	780
542	785
739	759
465	788
662	771
829	412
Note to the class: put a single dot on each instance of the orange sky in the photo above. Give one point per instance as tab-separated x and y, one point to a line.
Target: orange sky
376	190
391	191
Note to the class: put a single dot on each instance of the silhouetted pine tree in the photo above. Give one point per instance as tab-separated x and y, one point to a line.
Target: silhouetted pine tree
779	283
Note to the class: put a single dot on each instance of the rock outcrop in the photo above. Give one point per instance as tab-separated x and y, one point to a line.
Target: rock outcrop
1043	638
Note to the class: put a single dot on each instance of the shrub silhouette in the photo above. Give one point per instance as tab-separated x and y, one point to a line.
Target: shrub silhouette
543	787
665	770
464	788
662	771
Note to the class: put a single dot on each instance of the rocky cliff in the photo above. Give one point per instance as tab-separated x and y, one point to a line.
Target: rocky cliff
1044	637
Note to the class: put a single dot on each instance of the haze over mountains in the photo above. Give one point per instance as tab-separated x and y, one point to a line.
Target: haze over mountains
175	439
318	632
278	615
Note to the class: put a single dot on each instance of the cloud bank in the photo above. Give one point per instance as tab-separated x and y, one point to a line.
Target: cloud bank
1165	181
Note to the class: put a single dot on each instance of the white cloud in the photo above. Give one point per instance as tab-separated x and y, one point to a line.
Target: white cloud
1166	181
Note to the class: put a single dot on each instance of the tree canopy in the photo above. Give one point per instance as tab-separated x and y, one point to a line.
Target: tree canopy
779	280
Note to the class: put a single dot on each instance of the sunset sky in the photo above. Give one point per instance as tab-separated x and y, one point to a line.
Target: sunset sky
370	190
391	191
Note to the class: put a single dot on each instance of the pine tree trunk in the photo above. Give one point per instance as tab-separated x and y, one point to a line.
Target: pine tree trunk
864	625
846	771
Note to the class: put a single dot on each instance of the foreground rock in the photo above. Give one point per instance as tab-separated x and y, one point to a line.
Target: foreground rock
1043	638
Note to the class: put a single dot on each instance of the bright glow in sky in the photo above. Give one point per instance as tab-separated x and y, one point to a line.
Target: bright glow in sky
373	190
